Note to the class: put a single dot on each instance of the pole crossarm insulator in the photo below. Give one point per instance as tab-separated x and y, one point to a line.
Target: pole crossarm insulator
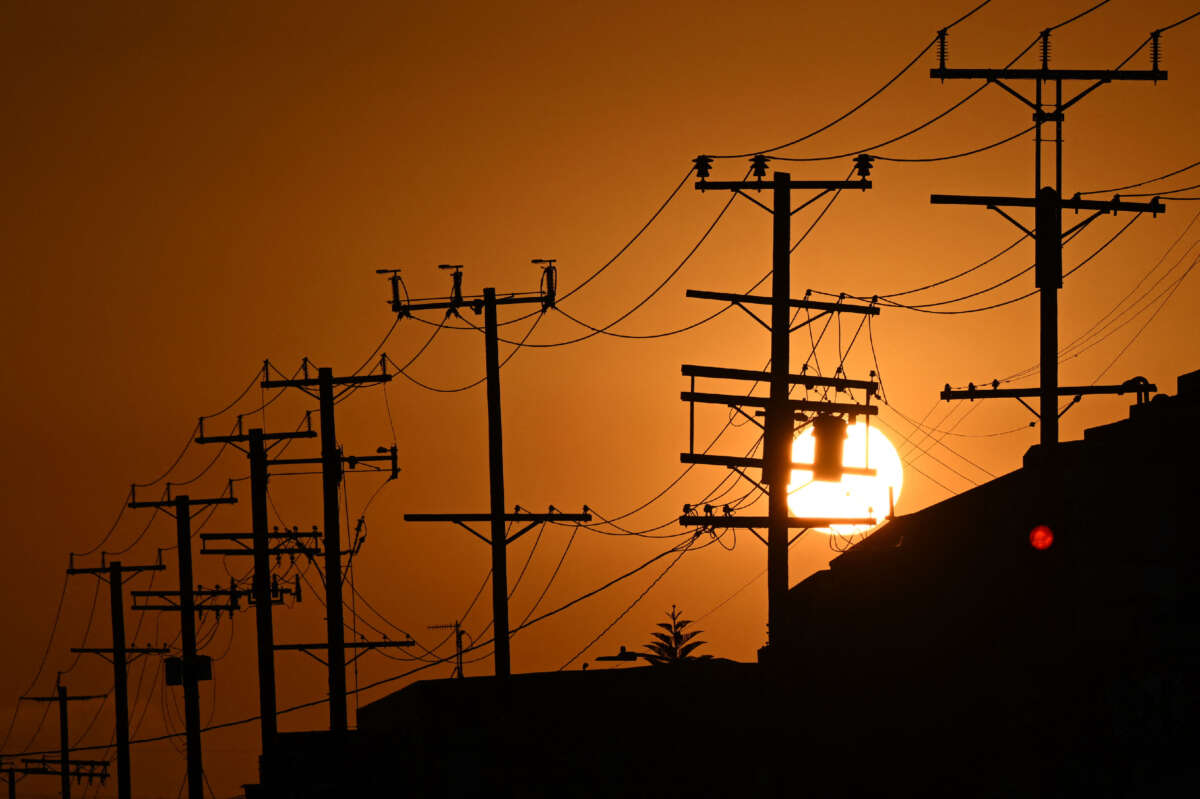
389	456
1103	75
288	536
1155	206
155	567
807	381
515	299
735	462
129	650
244	437
1138	385
737	400
807	523
348	645
760	185
507	517
812	305
248	550
311	382
170	503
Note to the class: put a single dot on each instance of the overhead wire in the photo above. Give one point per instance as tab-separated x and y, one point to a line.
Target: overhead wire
1079	16
1095	334
1163	194
953	156
1068	21
869	98
1167	298
682	551
396	677
1139	184
553	575
516	348
953	277
943	114
41	662
927	307
603	267
606	329
816	221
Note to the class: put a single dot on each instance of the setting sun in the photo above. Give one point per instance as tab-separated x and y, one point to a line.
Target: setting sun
854	495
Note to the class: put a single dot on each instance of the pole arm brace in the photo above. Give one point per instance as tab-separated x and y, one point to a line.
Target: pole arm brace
1017	224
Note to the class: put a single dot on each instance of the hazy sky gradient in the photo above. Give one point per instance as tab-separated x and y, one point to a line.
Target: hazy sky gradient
195	187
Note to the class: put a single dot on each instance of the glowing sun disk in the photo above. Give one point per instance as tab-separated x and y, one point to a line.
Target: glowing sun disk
854	496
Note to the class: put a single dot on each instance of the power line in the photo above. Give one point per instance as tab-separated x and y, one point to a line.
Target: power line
41	663
517	345
925	308
683	551
951	157
1080	15
870	97
603	267
947	111
1073	349
1140	330
1165	192
594	331
1139	184
393	678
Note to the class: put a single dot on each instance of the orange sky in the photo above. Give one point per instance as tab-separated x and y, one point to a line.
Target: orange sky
195	188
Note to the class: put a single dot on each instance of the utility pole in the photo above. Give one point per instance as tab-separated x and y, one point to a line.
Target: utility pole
331	461
496	517
1048	205
780	411
262	592
120	654
67	768
192	668
458	647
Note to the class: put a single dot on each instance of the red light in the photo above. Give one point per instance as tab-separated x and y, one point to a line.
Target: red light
1041	537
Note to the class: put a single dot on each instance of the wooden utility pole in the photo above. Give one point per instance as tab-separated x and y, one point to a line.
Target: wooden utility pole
780	410
120	654
67	767
496	516
193	668
331	461
459	632
1048	235
261	550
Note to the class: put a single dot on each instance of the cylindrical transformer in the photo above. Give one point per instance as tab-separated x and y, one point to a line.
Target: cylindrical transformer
830	435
